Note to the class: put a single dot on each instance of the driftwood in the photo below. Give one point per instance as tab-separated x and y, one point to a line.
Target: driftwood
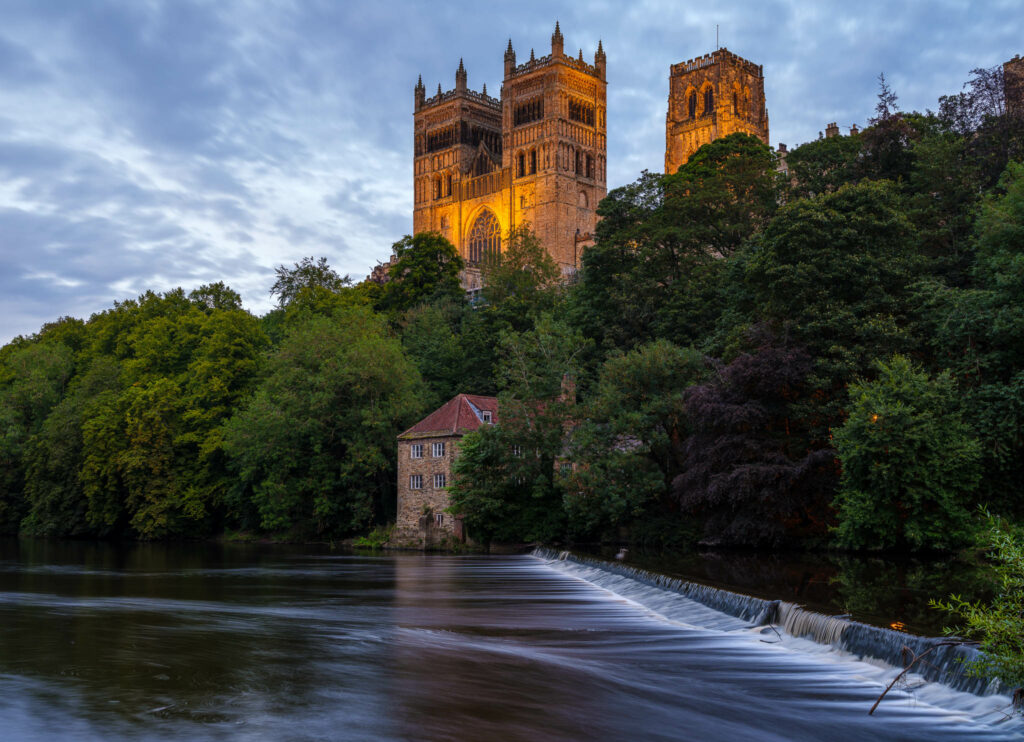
914	659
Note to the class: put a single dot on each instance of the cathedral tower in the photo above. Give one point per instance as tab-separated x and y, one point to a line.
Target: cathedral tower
555	145
483	167
711	97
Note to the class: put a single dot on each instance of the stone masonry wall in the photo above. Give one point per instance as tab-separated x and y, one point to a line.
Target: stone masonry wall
415	526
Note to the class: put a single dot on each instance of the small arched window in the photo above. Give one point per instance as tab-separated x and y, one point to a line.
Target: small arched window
692	105
533	161
709	101
521	165
484	238
437	188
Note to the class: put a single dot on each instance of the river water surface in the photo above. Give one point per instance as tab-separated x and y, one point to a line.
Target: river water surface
202	642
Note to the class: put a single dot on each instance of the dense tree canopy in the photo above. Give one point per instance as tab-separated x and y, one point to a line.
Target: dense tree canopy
830	357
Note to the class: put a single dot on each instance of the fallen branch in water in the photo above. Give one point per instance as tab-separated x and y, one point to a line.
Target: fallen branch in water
915	659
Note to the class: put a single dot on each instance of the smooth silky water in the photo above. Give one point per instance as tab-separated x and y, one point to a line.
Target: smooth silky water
208	642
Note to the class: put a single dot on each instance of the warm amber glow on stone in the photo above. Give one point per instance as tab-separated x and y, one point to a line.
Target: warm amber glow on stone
535	156
711	97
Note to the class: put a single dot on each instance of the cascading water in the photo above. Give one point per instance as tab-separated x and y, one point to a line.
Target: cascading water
945	663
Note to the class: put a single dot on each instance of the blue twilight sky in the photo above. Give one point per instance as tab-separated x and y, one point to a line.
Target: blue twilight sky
148	144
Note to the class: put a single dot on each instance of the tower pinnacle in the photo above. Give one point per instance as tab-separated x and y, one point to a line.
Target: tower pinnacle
460	76
557	41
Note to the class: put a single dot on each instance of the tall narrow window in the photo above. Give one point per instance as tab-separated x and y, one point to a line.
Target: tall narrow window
709	101
484	238
735	104
521	170
579	163
692	105
533	161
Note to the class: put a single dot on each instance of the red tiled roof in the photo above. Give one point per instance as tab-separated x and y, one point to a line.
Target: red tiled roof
460	414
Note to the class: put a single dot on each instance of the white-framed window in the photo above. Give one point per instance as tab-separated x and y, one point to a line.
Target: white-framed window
486	415
437	449
517	451
439	518
440	481
415	481
416	451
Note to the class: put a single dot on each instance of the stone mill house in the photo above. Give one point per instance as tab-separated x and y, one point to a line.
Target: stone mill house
426	452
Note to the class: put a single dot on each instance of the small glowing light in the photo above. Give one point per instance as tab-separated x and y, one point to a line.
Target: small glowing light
874	418
898	626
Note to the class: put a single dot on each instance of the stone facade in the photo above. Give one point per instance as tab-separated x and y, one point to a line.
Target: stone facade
537	156
426	452
711	97
1013	85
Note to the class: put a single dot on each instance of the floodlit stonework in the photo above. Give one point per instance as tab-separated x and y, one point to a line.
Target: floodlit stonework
536	156
711	97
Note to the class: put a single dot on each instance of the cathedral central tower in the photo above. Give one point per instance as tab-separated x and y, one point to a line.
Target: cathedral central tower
711	97
537	156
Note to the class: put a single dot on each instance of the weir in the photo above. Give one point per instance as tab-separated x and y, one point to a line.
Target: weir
945	663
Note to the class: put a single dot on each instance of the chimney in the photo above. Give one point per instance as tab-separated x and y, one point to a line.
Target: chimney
832	130
782	148
854	130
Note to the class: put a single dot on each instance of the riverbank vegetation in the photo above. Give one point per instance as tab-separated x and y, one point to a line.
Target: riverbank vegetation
830	357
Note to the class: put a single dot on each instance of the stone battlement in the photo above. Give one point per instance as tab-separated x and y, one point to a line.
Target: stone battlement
716	57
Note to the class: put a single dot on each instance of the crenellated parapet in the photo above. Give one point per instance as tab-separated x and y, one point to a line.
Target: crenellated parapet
718	56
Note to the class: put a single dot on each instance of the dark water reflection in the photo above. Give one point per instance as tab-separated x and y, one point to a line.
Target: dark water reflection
208	642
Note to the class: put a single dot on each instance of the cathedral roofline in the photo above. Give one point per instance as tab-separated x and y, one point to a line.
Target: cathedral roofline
713	58
473	95
549	59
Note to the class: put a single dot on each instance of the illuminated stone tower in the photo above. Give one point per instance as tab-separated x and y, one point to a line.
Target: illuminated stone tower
711	97
537	156
555	132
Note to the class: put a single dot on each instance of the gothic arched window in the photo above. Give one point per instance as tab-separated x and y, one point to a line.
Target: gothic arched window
693	105
709	100
735	104
484	238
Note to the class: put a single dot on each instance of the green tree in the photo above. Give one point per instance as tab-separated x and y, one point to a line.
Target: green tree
307	274
836	271
314	446
625	443
999	625
521	282
426	267
509	481
910	463
34	374
824	165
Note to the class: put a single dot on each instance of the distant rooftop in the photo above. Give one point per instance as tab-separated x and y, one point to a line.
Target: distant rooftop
463	413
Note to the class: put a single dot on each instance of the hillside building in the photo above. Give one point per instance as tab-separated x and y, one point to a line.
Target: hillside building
426	452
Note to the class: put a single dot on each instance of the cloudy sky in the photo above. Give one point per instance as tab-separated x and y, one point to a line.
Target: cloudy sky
148	144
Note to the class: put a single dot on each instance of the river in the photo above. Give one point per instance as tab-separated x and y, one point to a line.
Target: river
197	641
